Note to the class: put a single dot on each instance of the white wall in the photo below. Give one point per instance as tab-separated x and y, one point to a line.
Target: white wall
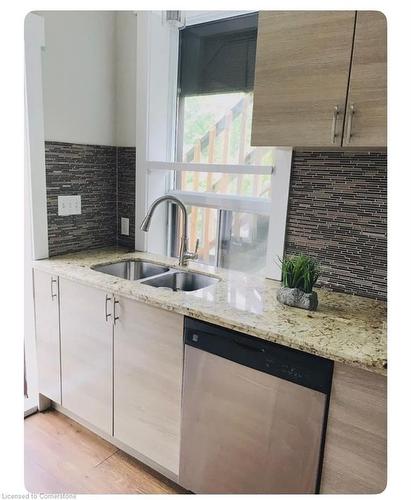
36	201
125	71
79	76
35	208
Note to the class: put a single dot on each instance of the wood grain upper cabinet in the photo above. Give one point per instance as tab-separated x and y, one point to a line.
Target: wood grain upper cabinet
301	77
86	353
46	299
148	366
366	116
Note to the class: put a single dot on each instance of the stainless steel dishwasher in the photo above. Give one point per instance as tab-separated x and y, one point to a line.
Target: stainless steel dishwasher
254	414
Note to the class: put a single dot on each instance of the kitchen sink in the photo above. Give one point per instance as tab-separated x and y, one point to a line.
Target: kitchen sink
157	275
185	281
131	269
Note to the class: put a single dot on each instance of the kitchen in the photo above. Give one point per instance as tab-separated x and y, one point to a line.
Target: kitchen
199	154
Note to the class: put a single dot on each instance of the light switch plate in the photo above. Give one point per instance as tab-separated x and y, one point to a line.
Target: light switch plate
125	226
69	205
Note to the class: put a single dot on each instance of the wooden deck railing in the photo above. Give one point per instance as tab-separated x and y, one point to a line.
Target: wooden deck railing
205	147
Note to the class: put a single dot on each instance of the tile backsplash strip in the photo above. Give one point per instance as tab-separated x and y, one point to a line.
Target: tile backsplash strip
337	213
90	171
126	193
337	208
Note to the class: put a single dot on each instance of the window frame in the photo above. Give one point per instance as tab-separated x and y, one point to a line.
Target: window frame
155	177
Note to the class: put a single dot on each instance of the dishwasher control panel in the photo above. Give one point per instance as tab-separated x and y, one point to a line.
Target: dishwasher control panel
284	362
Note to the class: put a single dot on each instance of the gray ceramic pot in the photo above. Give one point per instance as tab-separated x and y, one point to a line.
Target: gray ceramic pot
297	298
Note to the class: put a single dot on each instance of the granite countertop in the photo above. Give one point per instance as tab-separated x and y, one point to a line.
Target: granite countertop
345	328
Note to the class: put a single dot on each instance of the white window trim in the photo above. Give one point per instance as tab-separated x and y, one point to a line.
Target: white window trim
233	202
205	16
151	176
157	50
210	167
280	186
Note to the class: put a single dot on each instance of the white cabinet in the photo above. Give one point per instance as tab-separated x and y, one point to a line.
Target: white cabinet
46	299
86	353
148	368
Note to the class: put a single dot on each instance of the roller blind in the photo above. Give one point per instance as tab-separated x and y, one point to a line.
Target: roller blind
219	56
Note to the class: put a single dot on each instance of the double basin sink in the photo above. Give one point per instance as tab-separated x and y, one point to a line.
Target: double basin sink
156	275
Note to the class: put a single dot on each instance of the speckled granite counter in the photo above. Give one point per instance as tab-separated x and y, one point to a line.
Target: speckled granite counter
345	328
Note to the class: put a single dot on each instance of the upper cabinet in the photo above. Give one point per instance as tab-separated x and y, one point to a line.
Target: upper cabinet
320	79
366	122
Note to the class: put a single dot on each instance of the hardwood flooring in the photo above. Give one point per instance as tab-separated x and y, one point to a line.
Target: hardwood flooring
61	456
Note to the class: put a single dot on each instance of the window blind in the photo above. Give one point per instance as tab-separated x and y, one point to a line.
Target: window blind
218	56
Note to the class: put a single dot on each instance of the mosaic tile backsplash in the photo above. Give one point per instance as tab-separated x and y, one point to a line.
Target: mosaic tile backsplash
337	212
337	208
90	171
126	192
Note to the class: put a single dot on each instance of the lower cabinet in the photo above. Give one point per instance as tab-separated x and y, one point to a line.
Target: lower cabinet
148	370
86	353
355	455
122	369
46	300
118	364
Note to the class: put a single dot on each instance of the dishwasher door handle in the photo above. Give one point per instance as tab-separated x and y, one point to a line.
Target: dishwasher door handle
249	347
303	368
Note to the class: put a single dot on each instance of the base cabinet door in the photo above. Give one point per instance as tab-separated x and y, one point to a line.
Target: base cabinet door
148	365
46	299
86	353
355	454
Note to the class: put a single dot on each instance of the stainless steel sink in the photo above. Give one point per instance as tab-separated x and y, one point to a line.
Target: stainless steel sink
181	280
131	269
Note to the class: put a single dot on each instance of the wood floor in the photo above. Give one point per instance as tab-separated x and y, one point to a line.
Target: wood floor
61	456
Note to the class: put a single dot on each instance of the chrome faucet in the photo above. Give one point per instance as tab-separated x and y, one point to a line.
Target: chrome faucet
184	254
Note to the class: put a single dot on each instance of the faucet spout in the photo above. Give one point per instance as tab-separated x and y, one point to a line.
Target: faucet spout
184	255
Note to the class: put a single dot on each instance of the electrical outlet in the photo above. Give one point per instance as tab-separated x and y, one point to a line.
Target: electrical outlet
125	226
69	205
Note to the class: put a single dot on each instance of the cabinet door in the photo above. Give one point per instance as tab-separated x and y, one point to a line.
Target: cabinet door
355	455
86	353
148	366
46	299
301	76
366	116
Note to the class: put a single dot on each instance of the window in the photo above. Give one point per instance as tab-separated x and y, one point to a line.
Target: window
236	195
216	129
228	209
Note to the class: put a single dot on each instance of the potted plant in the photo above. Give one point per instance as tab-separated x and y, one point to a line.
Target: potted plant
299	275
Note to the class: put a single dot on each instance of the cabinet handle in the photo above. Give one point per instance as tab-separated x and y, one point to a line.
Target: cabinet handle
351	112
52	280
105	307
336	112
114	311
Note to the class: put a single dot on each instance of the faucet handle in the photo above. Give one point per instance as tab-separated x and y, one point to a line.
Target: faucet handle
197	245
191	255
